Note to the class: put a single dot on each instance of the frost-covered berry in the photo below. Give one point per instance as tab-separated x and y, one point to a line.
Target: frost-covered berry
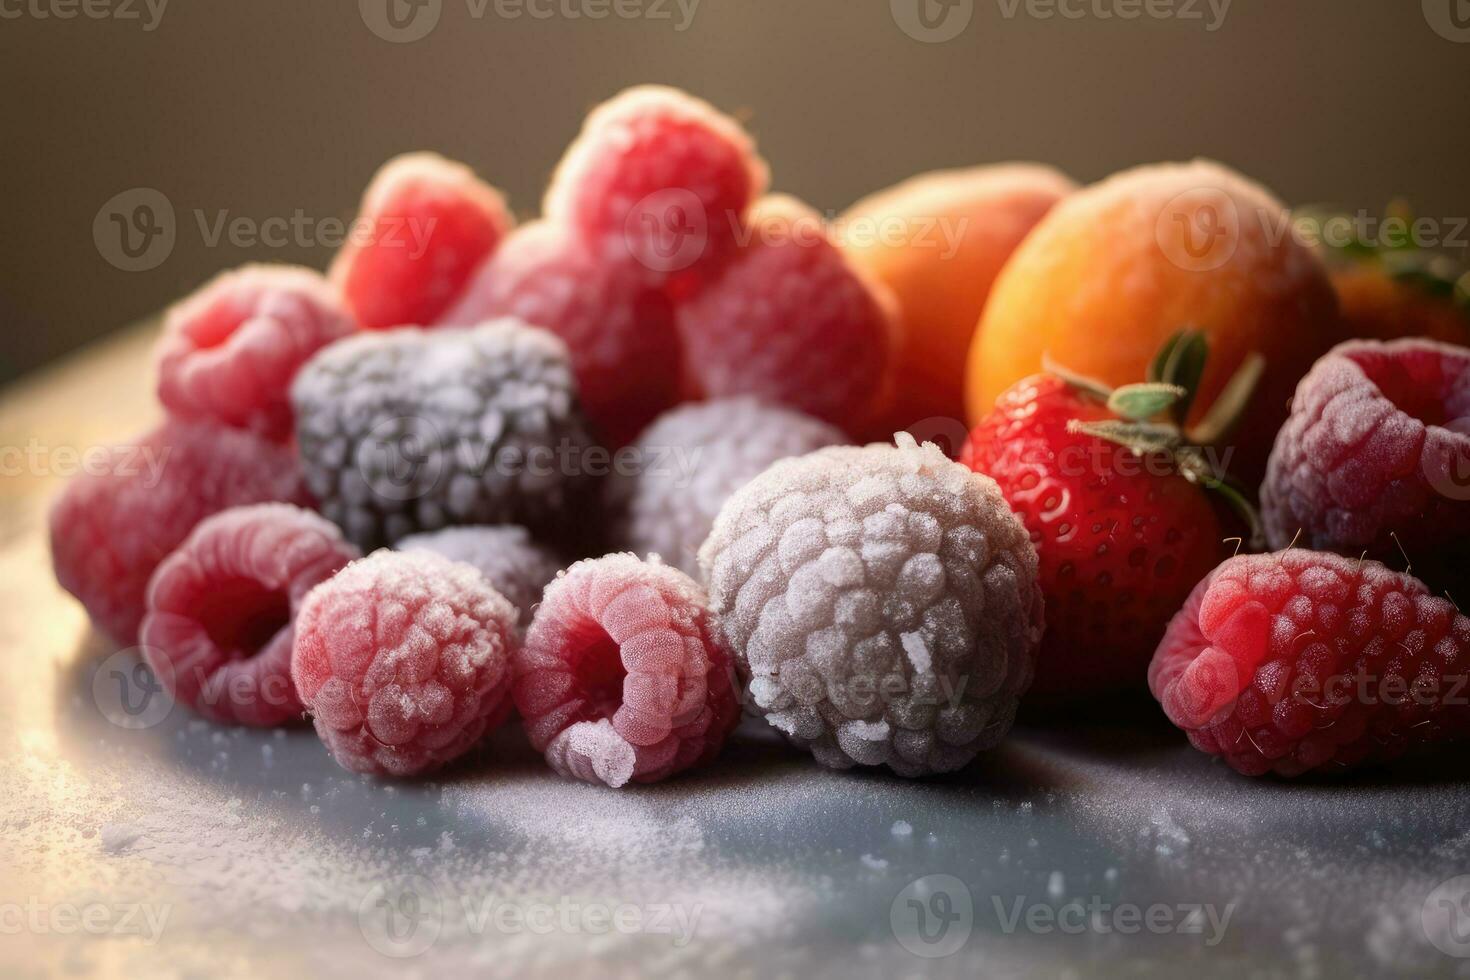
882	603
624	676
229	352
220	610
412	430
1375	459
403	661
619	329
516	566
689	462
116	522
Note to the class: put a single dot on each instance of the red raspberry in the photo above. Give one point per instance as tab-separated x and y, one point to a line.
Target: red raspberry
660	177
1298	660
113	526
228	353
624	675
220	609
403	659
620	330
1377	445
792	321
1122	538
427	224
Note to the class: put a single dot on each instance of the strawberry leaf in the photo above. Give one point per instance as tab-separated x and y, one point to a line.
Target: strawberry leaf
1081	382
1227	411
1188	351
1144	401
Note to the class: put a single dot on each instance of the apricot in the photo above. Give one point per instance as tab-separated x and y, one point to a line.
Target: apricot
1379	307
938	241
1114	270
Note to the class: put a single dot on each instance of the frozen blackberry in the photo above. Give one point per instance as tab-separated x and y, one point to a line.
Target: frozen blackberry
515	565
413	430
691	459
882	604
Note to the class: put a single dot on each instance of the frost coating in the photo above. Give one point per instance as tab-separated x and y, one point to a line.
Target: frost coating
516	566
692	459
412	430
882	604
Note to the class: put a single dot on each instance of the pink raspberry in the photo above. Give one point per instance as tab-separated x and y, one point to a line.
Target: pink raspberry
403	659
228	352
660	177
1378	445
112	527
620	330
624	675
1300	660
220	609
427	225
791	321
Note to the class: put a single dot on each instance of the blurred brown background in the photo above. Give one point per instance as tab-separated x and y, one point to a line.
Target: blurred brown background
282	109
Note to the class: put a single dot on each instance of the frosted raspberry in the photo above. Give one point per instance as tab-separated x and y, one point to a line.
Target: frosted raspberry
111	528
660	177
425	225
690	461
515	566
791	321
403	661
620	330
220	609
412	430
623	675
1300	660
882	603
1378	444
228	352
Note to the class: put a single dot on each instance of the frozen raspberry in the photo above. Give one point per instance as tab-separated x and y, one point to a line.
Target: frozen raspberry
691	460
403	661
624	675
791	321
620	330
412	430
1300	660
425	225
660	177
113	526
516	567
228	353
1377	445
220	609
882	602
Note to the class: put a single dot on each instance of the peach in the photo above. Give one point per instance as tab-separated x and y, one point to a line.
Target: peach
1117	268
938	241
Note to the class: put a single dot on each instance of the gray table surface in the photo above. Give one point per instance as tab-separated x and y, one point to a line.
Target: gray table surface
154	842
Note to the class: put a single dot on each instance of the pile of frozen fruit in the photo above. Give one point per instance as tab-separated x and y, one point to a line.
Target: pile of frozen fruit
600	473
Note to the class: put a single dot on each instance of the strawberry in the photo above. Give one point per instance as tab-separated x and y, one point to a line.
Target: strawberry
1113	492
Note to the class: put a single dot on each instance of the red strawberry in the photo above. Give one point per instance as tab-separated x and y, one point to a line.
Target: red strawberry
1116	508
1299	660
